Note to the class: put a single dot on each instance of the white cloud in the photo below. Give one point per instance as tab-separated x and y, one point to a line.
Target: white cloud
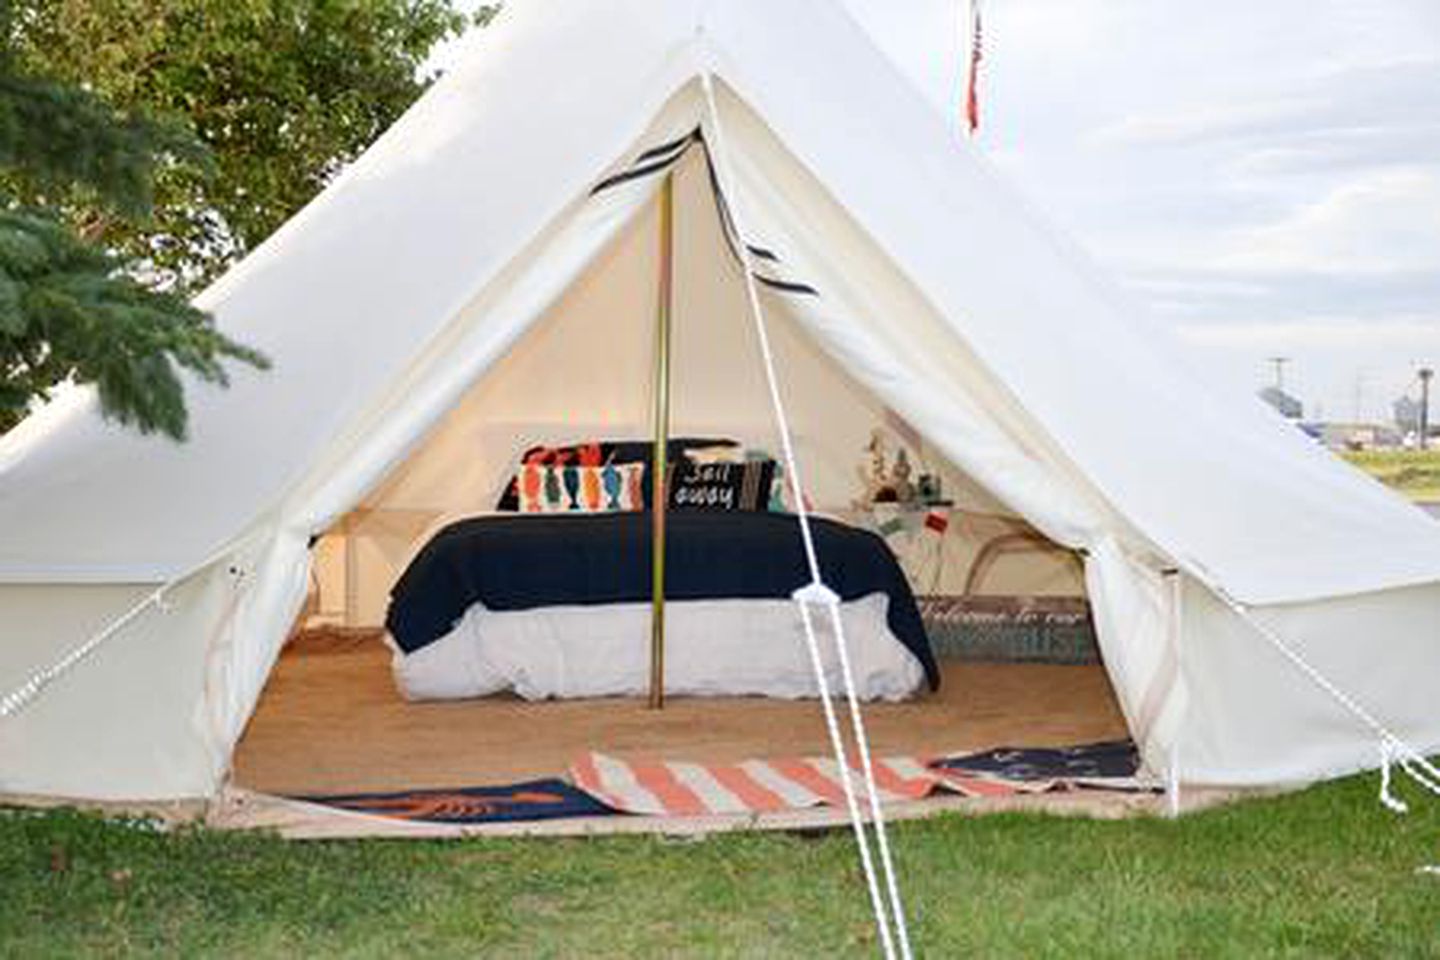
1385	222
1189	125
1343	332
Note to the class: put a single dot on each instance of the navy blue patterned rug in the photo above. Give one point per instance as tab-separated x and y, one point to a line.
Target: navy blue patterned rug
532	800
1110	760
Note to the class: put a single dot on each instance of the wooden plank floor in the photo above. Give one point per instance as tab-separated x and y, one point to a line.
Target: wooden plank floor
331	721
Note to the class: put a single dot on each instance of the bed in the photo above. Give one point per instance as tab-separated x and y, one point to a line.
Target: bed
557	605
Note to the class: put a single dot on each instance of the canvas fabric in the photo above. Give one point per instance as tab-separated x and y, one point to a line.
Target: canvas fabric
443	254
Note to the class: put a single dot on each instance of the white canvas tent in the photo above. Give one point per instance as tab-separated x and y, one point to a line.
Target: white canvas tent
469	237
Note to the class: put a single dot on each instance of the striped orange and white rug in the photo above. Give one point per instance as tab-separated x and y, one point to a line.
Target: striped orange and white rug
679	789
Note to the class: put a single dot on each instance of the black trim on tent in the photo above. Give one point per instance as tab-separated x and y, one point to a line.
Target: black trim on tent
635	173
787	286
675	144
662	157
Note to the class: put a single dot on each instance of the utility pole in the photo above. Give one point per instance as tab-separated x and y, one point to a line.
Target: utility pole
1425	374
1279	363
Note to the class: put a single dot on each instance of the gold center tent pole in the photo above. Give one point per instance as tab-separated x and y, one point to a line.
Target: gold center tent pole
660	457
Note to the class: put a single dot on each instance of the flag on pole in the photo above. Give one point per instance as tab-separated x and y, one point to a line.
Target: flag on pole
972	91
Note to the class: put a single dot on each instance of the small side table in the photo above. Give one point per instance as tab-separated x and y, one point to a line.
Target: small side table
915	533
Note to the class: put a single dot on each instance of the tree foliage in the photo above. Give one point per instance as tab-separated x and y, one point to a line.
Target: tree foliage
145	145
68	313
283	93
68	309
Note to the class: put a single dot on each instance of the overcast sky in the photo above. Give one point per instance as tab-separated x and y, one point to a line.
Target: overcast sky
1265	176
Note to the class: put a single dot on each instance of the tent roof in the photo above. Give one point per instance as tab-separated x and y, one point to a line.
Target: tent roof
348	294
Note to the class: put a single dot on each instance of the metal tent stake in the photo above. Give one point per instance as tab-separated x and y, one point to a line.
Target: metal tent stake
660	458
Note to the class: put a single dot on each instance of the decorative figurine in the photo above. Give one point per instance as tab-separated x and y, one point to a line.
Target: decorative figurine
929	488
900	479
873	478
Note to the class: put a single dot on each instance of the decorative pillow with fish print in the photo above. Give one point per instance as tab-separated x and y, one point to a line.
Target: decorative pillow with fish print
570	488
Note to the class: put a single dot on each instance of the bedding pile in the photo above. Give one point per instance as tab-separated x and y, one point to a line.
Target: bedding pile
551	596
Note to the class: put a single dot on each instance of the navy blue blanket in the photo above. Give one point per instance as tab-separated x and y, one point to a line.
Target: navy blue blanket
522	562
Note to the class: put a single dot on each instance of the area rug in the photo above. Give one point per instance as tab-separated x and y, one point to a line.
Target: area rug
678	789
1113	763
532	800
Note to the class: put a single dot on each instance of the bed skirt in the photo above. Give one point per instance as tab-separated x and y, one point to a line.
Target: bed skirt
713	648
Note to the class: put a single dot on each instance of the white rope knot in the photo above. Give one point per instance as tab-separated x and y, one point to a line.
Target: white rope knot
816	594
1388	756
1395	752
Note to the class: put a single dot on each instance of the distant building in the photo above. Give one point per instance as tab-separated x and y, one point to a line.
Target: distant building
1407	415
1287	406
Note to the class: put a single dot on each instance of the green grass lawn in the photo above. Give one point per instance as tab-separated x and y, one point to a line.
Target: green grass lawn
1328	872
1415	473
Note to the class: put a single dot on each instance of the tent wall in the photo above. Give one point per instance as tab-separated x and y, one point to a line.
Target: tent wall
155	712
131	722
1254	718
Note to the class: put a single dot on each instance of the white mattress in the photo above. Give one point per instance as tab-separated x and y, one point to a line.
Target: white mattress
713	648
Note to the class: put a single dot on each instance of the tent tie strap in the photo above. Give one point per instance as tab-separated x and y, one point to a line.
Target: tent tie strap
1394	750
886	906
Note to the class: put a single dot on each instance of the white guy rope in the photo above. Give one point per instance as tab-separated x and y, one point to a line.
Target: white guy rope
22	696
862	743
39	681
816	591
1393	750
